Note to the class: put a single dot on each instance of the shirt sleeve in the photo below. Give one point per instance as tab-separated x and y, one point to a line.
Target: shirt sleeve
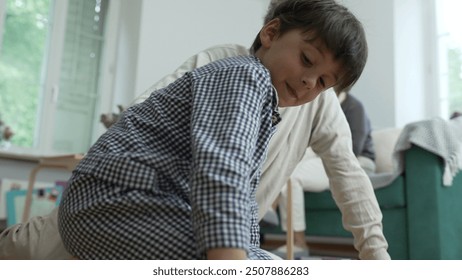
350	186
226	122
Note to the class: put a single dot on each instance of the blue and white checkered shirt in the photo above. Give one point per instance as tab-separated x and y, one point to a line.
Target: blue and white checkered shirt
177	175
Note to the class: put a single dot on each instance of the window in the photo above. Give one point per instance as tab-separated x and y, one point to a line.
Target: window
25	31
449	66
50	56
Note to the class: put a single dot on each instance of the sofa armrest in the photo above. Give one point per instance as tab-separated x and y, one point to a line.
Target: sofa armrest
434	210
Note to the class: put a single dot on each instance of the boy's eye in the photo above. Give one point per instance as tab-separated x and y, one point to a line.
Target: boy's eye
306	61
322	82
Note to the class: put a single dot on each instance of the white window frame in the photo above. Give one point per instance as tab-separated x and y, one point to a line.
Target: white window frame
47	104
437	103
107	80
432	81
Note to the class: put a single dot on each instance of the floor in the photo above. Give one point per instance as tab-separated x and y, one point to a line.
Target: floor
320	247
2	225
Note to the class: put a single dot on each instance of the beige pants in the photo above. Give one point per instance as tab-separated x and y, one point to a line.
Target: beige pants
37	239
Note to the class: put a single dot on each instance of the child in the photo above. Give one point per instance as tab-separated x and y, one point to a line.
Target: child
176	177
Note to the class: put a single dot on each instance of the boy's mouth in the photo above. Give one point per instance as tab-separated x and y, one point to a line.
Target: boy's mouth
291	91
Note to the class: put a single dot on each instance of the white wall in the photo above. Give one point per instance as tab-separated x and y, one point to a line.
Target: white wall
127	48
395	82
392	87
410	61
118	69
171	31
376	85
21	169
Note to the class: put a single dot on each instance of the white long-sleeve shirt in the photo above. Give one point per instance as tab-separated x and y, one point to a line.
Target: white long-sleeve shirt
321	125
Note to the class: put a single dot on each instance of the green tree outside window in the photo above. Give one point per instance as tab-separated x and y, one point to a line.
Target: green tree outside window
22	56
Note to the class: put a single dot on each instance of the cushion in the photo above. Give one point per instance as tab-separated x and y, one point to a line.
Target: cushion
384	144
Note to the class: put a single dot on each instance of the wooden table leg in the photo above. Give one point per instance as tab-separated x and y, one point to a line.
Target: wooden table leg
290	228
30	189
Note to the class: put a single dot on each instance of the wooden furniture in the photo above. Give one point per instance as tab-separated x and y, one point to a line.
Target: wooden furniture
67	162
290	226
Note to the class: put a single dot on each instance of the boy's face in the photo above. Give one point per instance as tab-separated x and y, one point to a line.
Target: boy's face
300	68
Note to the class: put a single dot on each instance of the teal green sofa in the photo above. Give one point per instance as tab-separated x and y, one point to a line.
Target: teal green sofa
422	219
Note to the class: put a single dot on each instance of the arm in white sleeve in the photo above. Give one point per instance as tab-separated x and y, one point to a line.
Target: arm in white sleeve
350	186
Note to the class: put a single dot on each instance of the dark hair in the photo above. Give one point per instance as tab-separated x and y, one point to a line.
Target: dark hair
334	24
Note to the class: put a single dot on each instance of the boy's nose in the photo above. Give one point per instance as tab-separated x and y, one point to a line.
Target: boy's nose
309	81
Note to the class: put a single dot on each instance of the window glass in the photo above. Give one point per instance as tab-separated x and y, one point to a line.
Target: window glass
22	55
49	72
79	76
449	22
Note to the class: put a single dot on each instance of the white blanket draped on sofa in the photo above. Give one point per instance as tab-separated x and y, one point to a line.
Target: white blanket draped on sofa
439	136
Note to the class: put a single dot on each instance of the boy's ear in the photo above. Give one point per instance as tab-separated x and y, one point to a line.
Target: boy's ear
269	32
